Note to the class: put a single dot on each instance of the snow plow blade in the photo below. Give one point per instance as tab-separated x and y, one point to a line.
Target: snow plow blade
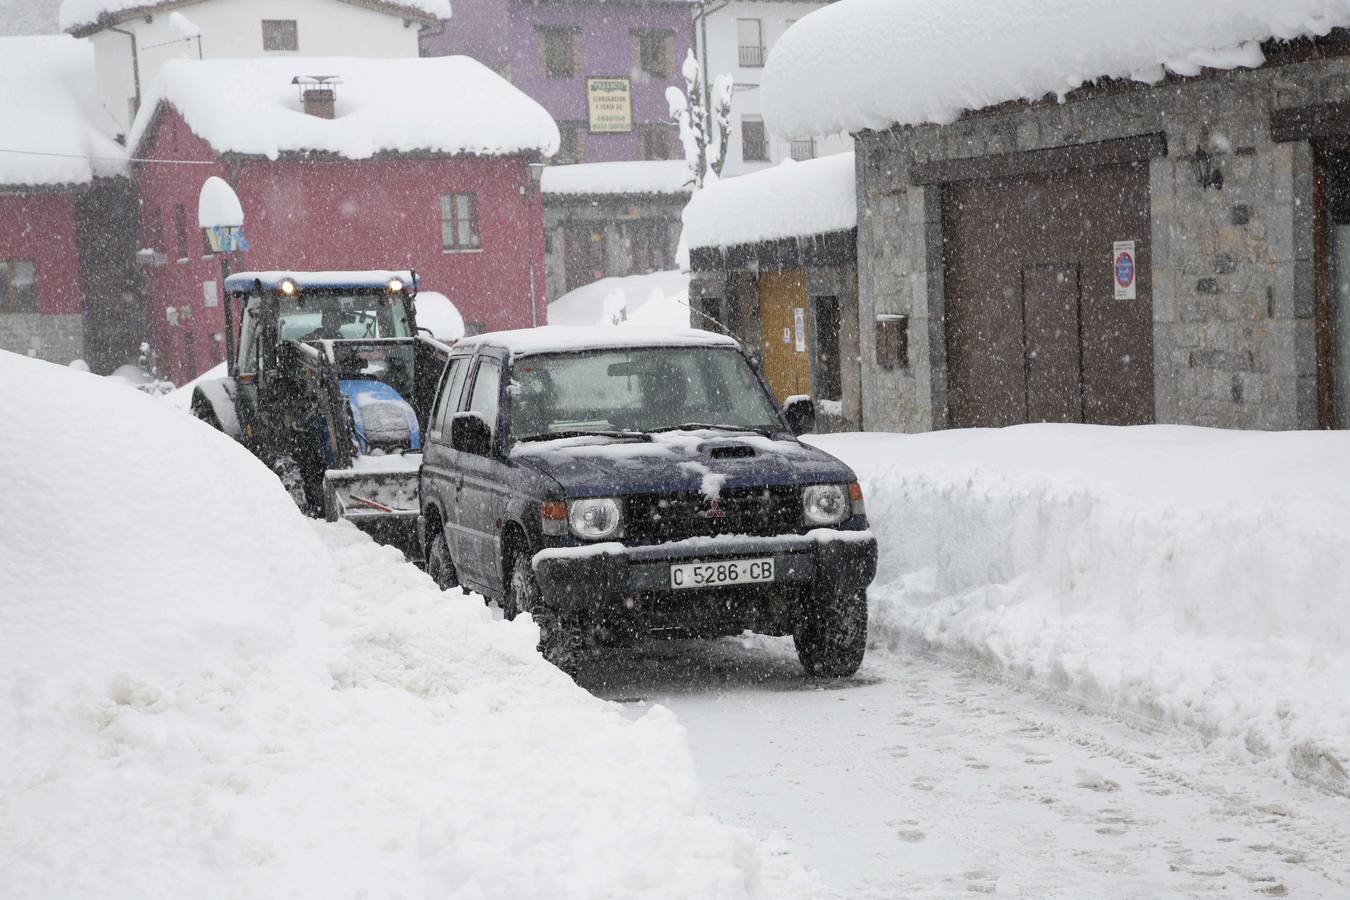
381	503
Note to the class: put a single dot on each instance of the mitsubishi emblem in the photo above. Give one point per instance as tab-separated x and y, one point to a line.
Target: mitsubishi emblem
714	510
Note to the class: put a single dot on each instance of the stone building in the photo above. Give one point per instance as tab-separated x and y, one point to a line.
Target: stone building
1157	245
773	262
610	220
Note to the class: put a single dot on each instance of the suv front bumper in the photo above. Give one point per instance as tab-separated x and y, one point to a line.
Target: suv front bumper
831	562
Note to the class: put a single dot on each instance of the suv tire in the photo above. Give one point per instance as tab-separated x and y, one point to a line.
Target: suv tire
559	640
440	566
831	637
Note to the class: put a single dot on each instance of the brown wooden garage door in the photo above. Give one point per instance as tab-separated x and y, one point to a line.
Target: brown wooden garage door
1034	332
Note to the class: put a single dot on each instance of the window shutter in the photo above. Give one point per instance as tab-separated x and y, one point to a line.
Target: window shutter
635	41
668	54
576	53
541	39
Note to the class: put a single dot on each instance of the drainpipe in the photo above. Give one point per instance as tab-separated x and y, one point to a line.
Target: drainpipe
135	66
701	27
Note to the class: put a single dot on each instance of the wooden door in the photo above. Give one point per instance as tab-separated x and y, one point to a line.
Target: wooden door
1007	243
1054	350
783	326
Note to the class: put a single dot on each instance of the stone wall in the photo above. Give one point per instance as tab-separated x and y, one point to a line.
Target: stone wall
58	339
616	218
1233	270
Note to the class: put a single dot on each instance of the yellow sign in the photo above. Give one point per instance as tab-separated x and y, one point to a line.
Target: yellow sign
610	104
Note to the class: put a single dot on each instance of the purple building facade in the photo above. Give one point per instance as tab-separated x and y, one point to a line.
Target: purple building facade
600	67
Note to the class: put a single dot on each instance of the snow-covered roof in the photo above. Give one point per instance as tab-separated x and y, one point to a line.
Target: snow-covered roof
551	338
80	16
659	176
871	64
790	200
50	109
436	105
656	298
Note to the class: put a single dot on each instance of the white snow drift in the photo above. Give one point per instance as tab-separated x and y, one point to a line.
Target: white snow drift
656	299
1195	576
871	64
382	107
791	200
207	695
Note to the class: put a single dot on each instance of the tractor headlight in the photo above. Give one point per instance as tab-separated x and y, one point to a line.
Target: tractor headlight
825	504
289	287
595	518
395	285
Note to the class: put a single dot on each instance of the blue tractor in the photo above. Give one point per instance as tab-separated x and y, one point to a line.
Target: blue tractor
330	384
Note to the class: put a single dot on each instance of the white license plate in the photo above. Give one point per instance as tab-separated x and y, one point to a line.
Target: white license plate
718	574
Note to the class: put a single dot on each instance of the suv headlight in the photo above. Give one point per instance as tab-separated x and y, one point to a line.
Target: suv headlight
595	518
825	504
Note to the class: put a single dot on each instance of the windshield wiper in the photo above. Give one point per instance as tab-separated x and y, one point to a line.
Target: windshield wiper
586	432
711	426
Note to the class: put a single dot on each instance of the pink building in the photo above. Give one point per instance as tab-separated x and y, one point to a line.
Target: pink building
66	273
418	163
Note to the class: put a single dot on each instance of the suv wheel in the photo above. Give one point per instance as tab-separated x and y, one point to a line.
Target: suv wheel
440	566
832	635
559	641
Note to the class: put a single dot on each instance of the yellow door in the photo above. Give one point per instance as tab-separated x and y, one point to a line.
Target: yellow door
783	321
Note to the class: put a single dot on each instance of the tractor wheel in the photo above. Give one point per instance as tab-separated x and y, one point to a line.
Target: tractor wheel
559	638
288	471
440	566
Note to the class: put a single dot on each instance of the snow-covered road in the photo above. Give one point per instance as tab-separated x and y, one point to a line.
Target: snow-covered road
922	778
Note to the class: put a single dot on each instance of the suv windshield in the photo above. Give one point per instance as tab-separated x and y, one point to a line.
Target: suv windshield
337	315
637	390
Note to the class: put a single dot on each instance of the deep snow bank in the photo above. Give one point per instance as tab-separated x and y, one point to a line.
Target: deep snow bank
207	695
657	298
1191	575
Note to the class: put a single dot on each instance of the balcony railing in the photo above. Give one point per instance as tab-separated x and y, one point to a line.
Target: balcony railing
752	57
804	149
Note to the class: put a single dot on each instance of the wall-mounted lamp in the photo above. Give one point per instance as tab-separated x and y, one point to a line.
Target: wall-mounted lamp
1206	168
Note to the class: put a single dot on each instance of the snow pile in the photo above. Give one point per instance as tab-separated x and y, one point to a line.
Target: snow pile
207	695
51	110
660	176
181	396
437	313
659	299
870	64
218	205
381	108
1190	575
79	14
792	199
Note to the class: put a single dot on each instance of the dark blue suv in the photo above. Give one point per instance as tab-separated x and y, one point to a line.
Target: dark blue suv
625	483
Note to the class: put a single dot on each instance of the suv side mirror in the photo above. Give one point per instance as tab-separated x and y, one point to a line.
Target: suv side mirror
469	433
800	411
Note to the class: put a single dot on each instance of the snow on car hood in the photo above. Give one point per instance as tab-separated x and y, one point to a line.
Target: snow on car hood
706	461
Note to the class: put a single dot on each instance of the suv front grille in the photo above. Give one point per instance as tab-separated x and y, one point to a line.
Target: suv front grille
657	518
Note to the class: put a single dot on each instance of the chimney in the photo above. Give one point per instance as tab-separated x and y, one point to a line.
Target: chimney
318	94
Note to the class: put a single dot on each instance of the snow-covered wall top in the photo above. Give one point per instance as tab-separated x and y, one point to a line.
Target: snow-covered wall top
77	15
659	176
449	104
51	110
793	199
871	64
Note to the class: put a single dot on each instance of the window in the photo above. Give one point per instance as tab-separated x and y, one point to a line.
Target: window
656	141
487	392
804	149
180	224
893	341
559	52
754	141
750	37
154	226
573	146
459	222
448	401
649	241
280	34
18	286
654	52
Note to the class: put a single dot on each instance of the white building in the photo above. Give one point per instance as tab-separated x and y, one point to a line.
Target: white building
736	38
133	38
